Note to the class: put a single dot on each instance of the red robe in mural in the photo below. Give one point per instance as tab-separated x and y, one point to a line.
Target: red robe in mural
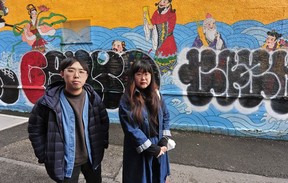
163	41
33	36
164	25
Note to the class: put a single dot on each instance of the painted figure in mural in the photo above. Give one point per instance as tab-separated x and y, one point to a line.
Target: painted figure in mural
119	46
144	118
37	27
3	12
33	31
271	43
208	36
161	26
68	126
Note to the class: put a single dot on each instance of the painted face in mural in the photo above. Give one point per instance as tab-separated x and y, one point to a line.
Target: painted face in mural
142	79
3	9
210	29
3	12
117	46
163	4
75	77
271	41
210	25
33	14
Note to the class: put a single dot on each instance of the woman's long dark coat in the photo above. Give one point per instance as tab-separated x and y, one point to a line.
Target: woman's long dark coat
137	166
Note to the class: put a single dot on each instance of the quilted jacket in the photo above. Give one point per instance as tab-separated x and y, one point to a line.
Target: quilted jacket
46	130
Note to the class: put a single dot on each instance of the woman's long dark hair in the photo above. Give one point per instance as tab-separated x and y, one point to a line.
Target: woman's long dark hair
148	96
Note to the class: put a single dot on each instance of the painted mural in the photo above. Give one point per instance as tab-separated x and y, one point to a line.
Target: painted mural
215	77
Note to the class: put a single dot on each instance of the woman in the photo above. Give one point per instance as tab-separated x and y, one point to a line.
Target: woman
145	122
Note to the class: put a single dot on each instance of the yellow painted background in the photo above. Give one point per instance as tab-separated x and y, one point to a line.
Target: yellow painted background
128	13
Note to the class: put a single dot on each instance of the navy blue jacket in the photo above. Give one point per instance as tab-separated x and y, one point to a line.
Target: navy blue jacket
46	130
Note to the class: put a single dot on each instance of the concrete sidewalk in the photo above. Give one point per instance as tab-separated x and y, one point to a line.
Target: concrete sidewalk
18	163
8	121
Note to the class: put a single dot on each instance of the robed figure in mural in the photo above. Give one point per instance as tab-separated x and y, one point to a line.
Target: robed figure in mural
33	31
160	30
208	36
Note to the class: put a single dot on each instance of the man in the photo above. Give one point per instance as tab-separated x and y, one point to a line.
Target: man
161	26
68	126
271	43
118	46
209	36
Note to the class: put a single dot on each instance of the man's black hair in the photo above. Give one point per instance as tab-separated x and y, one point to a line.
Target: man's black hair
70	61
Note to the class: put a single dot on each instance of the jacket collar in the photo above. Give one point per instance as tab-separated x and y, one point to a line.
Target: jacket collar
52	94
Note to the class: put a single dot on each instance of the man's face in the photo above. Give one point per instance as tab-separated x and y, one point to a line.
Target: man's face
75	77
117	46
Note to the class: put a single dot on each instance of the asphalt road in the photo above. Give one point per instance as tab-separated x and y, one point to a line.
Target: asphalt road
197	158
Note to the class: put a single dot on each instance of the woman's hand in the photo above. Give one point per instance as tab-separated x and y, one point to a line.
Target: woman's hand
162	151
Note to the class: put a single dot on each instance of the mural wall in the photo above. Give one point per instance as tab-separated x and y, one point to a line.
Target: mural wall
215	77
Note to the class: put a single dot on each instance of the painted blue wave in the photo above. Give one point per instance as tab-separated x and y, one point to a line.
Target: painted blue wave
248	34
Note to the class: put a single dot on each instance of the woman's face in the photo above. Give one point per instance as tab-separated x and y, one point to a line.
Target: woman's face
142	79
